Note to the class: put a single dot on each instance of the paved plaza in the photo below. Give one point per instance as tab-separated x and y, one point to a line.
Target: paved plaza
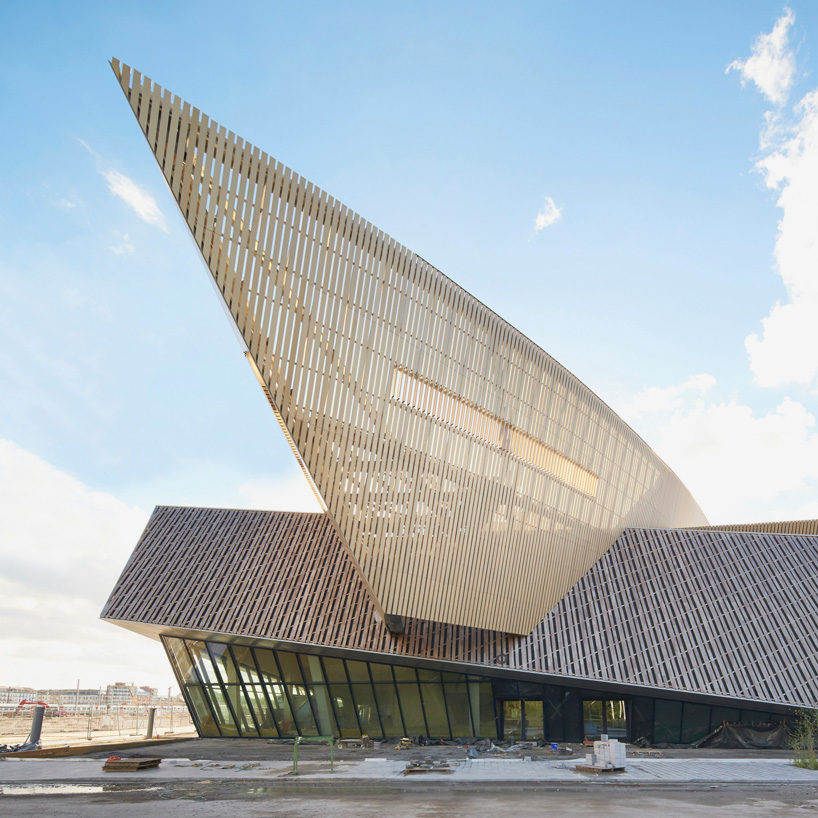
386	771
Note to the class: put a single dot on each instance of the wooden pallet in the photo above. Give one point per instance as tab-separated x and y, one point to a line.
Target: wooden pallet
584	768
130	765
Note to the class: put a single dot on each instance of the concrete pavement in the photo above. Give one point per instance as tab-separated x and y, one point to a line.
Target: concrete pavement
388	772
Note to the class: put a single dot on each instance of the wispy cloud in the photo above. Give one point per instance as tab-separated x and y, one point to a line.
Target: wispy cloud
136	197
549	214
772	64
124	246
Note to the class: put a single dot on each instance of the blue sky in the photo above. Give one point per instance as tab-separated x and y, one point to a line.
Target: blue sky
677	202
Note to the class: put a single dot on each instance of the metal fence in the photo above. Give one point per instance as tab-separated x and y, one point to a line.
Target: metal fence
97	721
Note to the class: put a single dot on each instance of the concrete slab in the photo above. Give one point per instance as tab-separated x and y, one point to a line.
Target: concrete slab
389	771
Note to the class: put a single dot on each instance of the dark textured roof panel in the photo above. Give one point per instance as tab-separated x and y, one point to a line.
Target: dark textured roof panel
726	613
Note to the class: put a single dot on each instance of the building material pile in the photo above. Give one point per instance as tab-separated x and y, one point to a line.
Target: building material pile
607	755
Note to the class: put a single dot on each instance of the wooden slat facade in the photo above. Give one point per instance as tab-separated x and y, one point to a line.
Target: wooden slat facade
724	613
480	494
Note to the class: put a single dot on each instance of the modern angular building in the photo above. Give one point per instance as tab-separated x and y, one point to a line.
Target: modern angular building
499	553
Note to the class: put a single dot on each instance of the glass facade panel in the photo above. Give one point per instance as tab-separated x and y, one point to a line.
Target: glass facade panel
335	670
289	667
344	710
261	708
533	720
413	721
435	706
386	697
554	715
357	671
453	677
482	707
220	654
367	710
668	722
616	719
201	659
695	722
593	719
300	702
405	674
457	703
238	705
642	718
246	664
201	711
720	715
313	673
512	719
322	708
381	673
267	665
281	710
428	675
224	718
754	717
179	654
244	695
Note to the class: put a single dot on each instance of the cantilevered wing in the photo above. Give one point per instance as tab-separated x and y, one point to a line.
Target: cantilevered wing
473	479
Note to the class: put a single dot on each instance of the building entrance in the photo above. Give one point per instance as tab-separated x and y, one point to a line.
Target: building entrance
609	717
522	720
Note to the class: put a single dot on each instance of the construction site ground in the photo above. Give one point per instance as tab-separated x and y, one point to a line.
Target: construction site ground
253	777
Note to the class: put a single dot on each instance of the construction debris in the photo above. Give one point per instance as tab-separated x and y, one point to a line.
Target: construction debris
427	766
115	764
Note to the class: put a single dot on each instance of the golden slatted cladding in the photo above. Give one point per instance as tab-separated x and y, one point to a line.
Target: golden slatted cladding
442	524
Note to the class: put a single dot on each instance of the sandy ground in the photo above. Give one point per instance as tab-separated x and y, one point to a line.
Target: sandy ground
222	799
81	737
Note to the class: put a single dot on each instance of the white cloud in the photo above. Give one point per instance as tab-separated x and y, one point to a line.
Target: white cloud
549	214
62	548
772	65
124	246
740	467
787	350
288	494
664	399
136	197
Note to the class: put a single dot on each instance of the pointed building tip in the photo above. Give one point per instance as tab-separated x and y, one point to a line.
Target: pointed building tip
115	66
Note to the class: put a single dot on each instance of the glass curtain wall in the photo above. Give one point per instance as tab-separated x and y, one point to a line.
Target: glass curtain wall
236	690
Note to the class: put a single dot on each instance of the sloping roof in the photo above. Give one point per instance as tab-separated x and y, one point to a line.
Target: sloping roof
726	613
472	478
786	527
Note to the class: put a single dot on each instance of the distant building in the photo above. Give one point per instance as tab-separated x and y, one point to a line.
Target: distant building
14	695
69	697
129	695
